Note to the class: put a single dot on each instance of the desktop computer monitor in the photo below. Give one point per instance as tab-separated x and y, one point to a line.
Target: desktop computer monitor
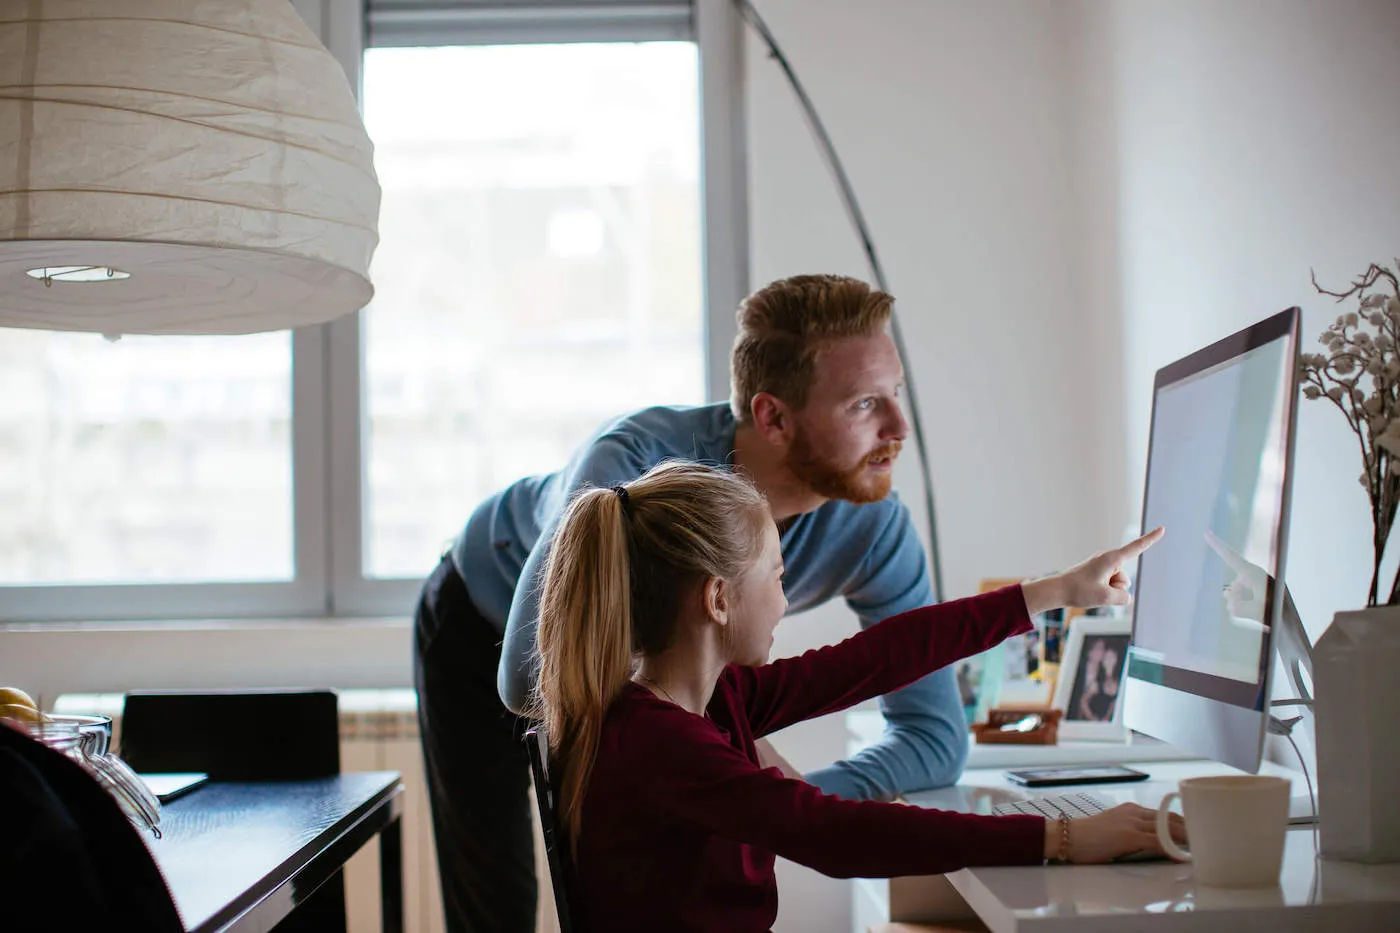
1209	596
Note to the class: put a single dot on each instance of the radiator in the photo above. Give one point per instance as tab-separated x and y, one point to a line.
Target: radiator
378	732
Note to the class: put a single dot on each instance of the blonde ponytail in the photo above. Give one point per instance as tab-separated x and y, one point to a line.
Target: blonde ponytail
622	562
585	638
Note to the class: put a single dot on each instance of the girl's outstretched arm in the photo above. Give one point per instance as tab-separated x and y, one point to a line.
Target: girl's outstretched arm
903	648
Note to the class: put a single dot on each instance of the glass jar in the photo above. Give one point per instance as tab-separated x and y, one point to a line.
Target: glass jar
87	740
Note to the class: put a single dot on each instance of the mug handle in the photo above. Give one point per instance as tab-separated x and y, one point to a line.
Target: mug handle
1164	834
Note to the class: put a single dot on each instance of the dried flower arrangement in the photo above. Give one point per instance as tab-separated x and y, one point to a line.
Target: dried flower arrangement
1360	374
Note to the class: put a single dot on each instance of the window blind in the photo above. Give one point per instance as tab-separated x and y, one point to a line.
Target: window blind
499	22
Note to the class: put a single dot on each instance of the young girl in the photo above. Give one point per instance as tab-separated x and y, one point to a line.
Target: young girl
656	619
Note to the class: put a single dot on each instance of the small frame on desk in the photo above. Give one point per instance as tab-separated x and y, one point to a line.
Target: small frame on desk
1090	685
1005	674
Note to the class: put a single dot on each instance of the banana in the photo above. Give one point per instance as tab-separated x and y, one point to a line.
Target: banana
18	706
15	696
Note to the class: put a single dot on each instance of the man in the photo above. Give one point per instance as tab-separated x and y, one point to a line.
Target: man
814	419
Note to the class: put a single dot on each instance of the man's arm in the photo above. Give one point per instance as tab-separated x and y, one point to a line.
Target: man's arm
925	742
924	745
607	463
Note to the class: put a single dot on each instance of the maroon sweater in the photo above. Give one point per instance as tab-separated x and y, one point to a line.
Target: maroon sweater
680	824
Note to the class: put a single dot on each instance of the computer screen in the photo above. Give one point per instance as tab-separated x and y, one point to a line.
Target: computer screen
1207	596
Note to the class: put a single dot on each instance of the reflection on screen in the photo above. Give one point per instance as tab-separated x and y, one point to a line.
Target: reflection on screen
1215	477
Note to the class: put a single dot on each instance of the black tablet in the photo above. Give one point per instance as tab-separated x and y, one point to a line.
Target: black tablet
167	787
1090	774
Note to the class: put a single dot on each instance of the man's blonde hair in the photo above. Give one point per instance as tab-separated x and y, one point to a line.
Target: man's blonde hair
784	326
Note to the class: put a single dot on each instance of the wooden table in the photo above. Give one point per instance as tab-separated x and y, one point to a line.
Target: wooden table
242	856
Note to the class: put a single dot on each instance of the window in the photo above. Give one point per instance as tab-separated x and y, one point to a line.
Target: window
542	267
538	272
145	460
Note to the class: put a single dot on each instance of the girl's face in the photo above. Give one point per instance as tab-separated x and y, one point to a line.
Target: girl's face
759	604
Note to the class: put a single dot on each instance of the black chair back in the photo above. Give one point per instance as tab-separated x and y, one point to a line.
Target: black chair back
556	844
270	735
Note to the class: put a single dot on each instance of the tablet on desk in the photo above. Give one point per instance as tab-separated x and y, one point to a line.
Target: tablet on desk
1059	777
167	787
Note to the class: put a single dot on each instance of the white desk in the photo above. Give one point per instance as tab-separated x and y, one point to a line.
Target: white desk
1311	895
865	727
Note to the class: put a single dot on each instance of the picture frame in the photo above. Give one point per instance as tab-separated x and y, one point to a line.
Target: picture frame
1012	672
1089	688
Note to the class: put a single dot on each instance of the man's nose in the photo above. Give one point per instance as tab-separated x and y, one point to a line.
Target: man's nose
896	427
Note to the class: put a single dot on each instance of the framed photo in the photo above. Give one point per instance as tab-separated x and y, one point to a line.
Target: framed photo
1090	684
1012	672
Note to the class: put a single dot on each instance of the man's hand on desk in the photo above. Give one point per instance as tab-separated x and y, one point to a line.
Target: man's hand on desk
768	757
1125	830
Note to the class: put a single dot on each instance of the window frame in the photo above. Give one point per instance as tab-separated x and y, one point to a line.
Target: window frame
328	420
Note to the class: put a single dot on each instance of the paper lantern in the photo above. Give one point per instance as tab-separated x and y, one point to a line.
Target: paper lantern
178	167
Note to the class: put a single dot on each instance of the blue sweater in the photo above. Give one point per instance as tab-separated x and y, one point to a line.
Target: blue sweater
868	554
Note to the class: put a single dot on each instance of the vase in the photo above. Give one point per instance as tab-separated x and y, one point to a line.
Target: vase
1356	674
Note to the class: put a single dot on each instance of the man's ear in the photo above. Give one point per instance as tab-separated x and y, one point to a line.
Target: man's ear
715	594
772	418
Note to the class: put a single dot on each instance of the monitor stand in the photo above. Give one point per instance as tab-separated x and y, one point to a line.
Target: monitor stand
1295	653
1294	650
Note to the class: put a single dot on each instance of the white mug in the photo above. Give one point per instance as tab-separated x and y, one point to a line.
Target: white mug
1236	825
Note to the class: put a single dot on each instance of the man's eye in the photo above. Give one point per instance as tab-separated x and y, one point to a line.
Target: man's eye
865	404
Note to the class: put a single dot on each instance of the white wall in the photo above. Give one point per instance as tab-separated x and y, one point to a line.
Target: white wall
1257	139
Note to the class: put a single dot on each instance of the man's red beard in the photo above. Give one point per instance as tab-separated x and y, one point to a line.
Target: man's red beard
831	482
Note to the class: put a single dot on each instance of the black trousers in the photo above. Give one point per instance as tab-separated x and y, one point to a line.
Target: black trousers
477	770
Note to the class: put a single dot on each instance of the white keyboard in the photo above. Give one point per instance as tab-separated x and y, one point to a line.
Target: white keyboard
1071	805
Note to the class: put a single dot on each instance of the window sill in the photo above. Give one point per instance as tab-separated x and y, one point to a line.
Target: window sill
48	659
205	625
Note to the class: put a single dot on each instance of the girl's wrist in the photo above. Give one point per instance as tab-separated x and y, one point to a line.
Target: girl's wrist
1044	594
1057	842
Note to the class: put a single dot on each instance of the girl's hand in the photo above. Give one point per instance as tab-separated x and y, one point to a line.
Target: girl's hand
1125	830
1098	581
